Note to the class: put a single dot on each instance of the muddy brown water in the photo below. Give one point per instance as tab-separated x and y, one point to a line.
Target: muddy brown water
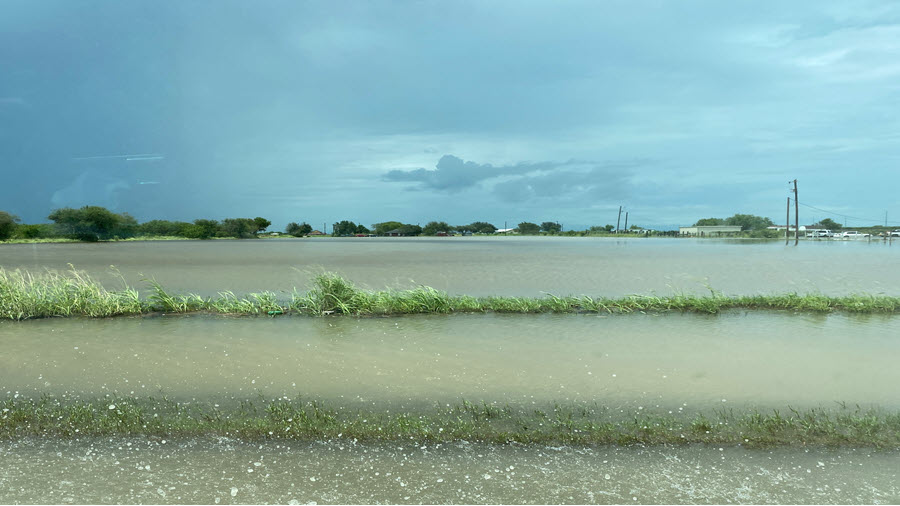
519	266
672	360
136	470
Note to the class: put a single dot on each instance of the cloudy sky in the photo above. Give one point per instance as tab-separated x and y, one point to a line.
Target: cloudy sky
414	111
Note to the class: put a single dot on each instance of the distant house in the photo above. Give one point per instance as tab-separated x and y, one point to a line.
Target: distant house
393	233
315	232
710	230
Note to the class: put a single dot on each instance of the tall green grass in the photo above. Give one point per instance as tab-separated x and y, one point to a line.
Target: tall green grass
24	295
575	423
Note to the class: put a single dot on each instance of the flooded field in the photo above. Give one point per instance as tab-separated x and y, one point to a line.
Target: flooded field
333	472
519	266
670	364
761	358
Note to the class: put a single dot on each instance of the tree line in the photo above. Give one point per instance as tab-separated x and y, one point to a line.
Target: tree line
95	223
348	228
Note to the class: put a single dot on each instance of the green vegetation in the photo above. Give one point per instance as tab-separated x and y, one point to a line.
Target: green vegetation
551	227
386	227
94	223
433	227
25	296
298	229
8	225
347	228
828	224
528	228
747	222
559	424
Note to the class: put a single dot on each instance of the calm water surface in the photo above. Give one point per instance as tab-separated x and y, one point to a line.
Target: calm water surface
656	362
672	361
521	266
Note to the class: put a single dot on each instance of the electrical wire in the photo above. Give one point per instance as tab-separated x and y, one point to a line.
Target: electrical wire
839	214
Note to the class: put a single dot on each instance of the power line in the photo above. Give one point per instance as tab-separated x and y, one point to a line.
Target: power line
839	214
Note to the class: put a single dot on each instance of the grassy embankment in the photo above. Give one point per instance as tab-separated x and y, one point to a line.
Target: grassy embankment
26	296
572	424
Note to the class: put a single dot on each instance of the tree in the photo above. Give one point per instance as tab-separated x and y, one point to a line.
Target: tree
298	230
36	231
709	222
528	228
91	223
165	228
749	222
261	223
343	228
550	226
829	224
478	227
361	229
385	227
203	229
408	229
433	227
8	224
242	228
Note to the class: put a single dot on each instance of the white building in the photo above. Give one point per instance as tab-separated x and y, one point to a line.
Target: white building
710	230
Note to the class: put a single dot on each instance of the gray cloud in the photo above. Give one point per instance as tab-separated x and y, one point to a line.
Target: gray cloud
253	106
454	174
588	182
572	180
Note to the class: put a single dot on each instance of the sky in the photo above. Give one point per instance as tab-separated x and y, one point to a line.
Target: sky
457	111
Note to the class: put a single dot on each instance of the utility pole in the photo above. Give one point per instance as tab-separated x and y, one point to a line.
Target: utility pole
796	216
787	221
626	222
618	219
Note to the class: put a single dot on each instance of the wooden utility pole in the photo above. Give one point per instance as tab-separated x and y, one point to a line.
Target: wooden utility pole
787	221
796	216
618	219
626	222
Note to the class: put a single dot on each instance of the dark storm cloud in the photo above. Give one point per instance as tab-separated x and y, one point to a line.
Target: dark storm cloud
453	174
523	182
255	103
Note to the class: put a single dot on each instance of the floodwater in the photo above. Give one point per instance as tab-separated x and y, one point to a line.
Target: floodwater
136	470
519	266
652	362
763	359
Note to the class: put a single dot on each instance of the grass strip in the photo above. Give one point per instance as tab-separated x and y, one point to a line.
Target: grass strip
25	296
557	424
